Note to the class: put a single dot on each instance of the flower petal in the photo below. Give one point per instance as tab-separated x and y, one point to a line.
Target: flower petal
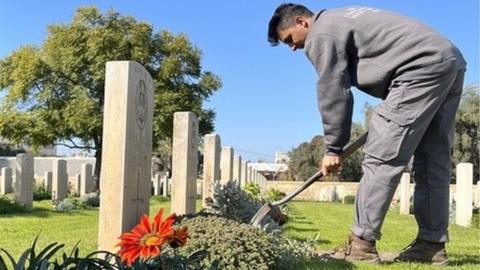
145	223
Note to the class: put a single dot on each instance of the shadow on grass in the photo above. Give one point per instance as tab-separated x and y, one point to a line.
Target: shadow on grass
317	241
463	259
42	212
316	264
301	222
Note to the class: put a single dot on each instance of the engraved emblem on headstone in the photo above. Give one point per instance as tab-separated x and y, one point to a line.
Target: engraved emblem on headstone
141	104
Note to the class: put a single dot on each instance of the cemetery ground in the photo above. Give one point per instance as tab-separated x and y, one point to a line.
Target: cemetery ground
327	223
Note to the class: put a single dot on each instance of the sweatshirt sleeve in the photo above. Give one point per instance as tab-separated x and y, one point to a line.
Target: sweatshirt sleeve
335	100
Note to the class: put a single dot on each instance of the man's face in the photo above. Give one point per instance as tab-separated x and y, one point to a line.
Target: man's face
294	36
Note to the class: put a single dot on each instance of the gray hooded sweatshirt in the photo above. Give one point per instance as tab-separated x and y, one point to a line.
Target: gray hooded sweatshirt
366	48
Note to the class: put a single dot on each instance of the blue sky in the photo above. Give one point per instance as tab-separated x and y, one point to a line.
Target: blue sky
268	99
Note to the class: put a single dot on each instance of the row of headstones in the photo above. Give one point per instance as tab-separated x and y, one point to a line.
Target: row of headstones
220	164
56	182
464	197
125	180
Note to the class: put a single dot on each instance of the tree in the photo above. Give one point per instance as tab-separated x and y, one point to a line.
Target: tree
55	92
7	151
305	159
467	126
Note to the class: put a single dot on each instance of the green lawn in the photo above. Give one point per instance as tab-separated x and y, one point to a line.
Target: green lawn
328	221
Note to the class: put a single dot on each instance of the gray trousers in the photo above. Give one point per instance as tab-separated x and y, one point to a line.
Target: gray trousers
417	118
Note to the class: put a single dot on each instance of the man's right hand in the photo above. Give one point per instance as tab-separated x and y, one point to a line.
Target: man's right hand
330	163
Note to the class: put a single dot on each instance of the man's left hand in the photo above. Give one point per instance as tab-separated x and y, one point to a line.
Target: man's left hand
330	164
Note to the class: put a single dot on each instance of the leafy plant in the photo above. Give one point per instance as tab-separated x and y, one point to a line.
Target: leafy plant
241	246
159	198
44	259
90	200
232	202
252	189
40	192
68	204
274	194
233	244
9	206
30	259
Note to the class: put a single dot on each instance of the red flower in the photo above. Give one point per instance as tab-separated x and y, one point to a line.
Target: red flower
145	239
179	238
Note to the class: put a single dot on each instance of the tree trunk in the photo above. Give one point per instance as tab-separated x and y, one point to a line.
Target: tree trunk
98	162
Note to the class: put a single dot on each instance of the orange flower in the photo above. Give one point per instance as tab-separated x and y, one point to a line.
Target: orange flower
145	239
179	238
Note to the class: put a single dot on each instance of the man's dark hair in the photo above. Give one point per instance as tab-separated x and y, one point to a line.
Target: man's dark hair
284	17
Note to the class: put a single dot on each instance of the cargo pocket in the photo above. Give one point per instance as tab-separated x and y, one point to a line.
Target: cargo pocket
386	135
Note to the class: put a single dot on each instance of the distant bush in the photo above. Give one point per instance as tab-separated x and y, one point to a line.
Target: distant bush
348	199
159	198
90	200
66	205
87	201
9	206
40	192
274	194
252	189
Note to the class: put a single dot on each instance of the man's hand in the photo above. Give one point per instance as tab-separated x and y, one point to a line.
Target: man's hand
330	164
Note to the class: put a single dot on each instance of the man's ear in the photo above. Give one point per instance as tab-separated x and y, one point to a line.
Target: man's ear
302	21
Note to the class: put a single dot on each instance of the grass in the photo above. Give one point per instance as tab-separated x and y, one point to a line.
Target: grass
329	222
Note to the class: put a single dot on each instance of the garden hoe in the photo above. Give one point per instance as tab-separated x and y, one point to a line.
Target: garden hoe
268	207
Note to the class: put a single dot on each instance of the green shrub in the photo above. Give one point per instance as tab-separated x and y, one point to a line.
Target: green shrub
240	246
231	202
159	198
348	199
252	189
274	194
9	206
90	200
67	205
233	244
40	192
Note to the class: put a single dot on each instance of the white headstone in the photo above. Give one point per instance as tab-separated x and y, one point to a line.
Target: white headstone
24	180
226	164
6	181
59	180
211	164
464	194
405	194
127	150
48	181
184	163
157	184
165	186
77	184
243	176
237	168
86	179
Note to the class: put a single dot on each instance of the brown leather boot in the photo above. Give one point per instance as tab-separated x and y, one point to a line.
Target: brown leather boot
357	249
423	251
